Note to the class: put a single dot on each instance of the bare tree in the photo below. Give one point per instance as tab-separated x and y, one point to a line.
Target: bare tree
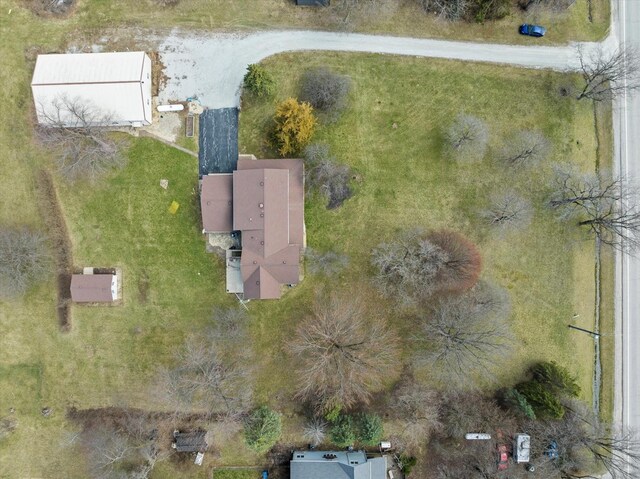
229	325
461	338
315	430
608	74
203	379
78	134
583	443
508	211
608	207
549	5
526	148
417	265
418	409
467	137
328	263
326	91
325	174
447	9
24	260
342	353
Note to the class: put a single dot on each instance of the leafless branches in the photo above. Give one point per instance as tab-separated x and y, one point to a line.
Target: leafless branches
526	148
417	265
584	443
467	137
461	338
315	430
608	207
608	74
203	379
78	133
447	9
328	263
342	353
508	212
24	260
324	173
418	408
326	91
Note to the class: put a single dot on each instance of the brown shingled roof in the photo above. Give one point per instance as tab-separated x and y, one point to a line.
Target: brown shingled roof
216	197
91	288
264	199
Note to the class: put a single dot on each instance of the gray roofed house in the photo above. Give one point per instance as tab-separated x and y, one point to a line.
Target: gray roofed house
337	465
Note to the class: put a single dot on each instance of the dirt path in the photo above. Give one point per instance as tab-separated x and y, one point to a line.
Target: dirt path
58	233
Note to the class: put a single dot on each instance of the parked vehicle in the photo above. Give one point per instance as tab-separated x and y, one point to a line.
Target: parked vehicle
265	474
503	457
532	30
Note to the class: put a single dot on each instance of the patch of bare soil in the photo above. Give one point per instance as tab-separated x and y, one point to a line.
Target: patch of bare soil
158	77
50	8
53	218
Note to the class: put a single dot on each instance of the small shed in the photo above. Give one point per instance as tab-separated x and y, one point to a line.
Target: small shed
313	3
94	288
194	441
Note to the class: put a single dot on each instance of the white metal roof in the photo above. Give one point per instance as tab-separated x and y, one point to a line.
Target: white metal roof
117	85
88	68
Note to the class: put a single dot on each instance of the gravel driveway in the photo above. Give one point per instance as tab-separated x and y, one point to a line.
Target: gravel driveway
211	66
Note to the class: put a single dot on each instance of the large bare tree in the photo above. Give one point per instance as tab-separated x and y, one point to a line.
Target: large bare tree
342	352
525	148
467	137
606	74
507	211
416	264
462	338
204	379
78	133
24	260
608	207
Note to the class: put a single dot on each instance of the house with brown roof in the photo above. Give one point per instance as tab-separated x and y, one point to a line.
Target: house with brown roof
94	288
263	200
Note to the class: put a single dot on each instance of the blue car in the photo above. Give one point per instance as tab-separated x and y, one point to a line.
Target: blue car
532	30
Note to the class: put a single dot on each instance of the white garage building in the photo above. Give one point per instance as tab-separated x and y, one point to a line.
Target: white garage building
117	85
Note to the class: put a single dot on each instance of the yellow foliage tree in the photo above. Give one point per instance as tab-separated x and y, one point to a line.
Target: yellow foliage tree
295	124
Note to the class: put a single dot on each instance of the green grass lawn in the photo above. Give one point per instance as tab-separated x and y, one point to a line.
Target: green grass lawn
406	181
171	285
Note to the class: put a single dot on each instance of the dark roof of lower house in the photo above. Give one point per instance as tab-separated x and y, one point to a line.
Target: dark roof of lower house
336	465
194	441
216	203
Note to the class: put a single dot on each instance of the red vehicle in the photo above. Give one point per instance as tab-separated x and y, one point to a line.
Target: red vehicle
503	457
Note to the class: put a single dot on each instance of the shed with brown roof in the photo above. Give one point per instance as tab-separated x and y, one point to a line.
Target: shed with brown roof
94	288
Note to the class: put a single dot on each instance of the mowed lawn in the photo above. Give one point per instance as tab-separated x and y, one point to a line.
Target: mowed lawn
171	284
392	136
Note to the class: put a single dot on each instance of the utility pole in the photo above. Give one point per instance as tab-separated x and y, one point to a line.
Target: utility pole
593	334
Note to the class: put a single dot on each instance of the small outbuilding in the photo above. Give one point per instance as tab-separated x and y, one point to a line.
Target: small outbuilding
313	3
94	288
116	86
194	441
522	448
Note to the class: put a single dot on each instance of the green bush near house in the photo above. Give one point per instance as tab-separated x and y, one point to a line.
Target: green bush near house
262	429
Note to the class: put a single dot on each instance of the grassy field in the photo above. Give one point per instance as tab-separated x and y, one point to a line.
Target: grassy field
406	182
584	20
171	285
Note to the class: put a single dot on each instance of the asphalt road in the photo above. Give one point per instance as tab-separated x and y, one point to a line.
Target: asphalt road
627	145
